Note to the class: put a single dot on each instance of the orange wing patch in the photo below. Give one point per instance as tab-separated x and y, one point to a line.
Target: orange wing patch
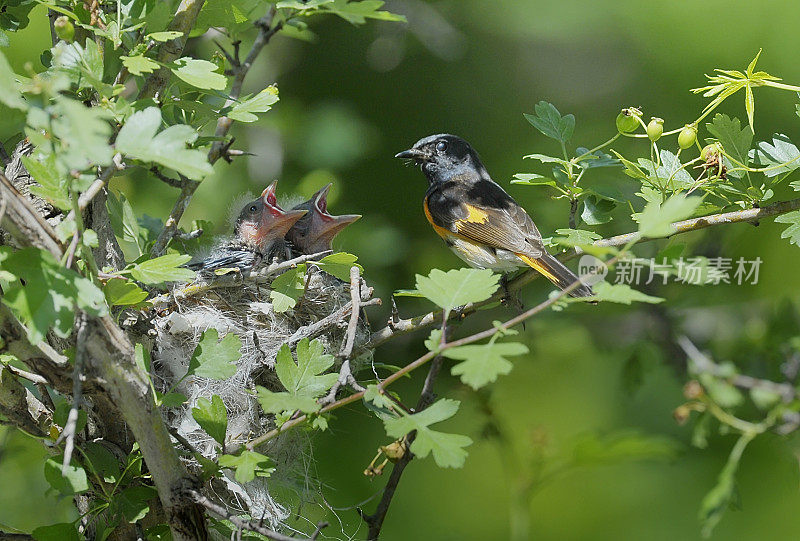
538	266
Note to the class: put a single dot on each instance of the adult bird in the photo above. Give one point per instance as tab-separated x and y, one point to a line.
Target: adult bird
257	234
477	219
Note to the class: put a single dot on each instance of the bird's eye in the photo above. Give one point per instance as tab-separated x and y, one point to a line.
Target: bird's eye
253	208
441	146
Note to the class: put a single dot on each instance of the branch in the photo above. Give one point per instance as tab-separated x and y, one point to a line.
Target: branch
261	276
110	358
703	365
183	21
248	525
265	32
417	363
401	327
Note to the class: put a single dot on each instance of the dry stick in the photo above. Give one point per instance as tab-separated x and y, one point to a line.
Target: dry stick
68	434
405	326
345	375
265	32
248	525
24	374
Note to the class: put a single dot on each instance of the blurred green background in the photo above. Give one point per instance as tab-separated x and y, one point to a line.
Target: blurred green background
354	98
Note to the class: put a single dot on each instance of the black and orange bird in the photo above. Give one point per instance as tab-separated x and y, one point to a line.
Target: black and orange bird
257	235
314	232
477	219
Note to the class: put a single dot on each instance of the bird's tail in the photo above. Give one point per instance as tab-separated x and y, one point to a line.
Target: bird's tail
555	271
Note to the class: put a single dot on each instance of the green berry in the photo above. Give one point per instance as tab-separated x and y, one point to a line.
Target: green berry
628	120
655	128
687	136
710	150
64	29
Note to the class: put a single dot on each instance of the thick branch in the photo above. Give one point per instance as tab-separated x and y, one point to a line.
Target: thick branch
110	359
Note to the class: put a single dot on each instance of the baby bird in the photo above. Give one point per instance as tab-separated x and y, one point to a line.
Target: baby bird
257	234
314	232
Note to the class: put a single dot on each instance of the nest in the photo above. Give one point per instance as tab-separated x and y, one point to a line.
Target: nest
245	310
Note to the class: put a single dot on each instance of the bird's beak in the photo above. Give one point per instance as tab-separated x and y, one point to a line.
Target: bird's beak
268	195
412	154
276	222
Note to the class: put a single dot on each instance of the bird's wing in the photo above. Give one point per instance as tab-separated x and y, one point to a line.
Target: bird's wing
487	214
226	258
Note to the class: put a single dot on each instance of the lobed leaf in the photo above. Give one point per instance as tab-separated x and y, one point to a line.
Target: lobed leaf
213	358
458	287
483	363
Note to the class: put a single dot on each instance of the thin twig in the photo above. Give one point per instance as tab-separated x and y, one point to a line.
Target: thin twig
702	364
260	276
99	183
355	296
68	434
30	376
248	525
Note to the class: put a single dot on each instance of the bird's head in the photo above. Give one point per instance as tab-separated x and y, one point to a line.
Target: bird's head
263	221
314	232
445	157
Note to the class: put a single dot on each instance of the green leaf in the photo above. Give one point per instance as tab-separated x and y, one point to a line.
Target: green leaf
622	293
101	461
73	480
287	288
212	417
50	292
278	402
138	139
549	121
304	380
597	210
84	64
53	185
532	179
656	219
596	159
793	231
248	465
735	140
575	237
339	265
164	36
122	292
9	86
167	268
170	400
719	498
139	65
83	133
64	531
782	156
231	15
213	358
260	103
132	502
483	363
199	73
669	173
448	449
356	12
458	287
123	220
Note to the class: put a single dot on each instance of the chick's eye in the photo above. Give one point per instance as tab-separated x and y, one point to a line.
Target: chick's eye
253	208
441	146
